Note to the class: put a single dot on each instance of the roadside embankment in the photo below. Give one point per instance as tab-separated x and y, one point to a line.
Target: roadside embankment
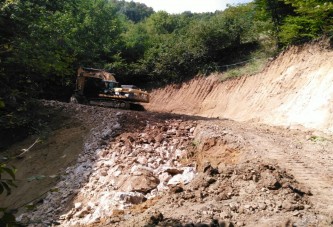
294	90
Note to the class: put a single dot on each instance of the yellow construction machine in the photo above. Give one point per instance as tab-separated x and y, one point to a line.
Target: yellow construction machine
99	87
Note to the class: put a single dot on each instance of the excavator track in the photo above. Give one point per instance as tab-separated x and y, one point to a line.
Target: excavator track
118	104
111	103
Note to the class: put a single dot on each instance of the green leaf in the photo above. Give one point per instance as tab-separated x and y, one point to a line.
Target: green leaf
10	171
30	206
2	104
54	190
11	183
7	188
38	177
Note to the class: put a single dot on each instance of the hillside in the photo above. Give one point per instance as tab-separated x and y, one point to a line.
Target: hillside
294	90
110	167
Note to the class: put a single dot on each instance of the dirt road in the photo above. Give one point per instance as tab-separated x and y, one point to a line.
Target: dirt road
245	174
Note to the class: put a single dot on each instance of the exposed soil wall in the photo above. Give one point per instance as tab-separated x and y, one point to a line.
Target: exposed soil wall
294	89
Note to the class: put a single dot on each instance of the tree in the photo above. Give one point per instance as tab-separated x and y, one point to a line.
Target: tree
134	11
311	20
43	43
297	21
276	11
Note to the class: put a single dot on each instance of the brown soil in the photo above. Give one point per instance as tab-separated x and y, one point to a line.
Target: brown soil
249	160
248	173
293	90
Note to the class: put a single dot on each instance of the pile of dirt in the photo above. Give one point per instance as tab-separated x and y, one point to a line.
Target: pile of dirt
248	175
248	194
294	89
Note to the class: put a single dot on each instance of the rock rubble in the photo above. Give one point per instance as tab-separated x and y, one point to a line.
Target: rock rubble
140	169
116	170
233	195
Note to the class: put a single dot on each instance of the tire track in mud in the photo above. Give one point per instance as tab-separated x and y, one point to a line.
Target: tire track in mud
313	169
318	178
310	162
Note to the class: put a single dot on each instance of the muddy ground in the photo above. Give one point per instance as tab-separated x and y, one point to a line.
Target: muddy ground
246	174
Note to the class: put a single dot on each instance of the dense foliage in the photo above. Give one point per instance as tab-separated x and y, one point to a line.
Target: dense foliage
297	21
43	42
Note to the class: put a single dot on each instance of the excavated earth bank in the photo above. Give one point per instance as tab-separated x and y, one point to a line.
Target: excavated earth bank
107	167
294	90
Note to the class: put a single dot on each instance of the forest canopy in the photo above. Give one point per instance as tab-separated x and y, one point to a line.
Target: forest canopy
43	42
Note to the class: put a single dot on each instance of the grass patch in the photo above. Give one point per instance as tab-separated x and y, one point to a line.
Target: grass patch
317	139
250	68
195	143
258	61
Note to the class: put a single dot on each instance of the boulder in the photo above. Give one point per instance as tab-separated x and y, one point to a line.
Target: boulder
142	184
184	178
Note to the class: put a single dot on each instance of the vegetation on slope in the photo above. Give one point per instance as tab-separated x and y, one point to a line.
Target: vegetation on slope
43	42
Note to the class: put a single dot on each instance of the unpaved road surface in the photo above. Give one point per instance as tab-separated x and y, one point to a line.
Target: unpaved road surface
245	174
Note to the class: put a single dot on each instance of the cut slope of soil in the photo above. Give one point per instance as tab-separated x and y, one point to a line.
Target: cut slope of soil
295	89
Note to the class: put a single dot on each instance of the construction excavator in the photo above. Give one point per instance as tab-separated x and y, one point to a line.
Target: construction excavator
99	87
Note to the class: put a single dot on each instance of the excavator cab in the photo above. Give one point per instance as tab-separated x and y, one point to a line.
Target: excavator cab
110	86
